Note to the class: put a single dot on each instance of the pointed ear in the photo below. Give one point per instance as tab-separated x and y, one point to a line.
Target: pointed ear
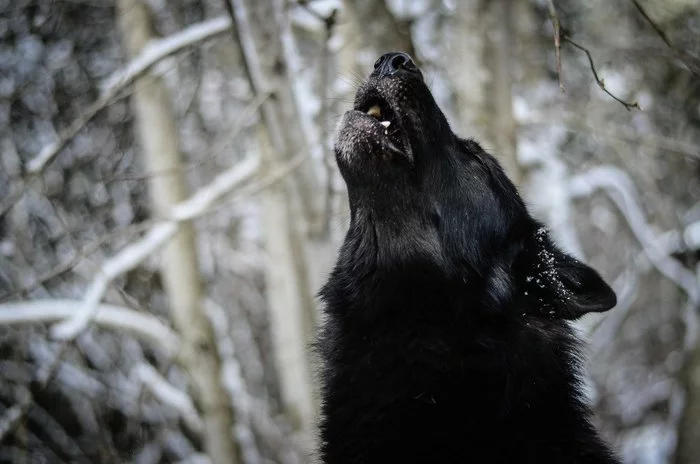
558	285
588	292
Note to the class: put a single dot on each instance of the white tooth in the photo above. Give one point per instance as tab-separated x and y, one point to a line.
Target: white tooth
385	123
375	111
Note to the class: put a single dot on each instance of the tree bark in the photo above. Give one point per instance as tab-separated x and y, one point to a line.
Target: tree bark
157	133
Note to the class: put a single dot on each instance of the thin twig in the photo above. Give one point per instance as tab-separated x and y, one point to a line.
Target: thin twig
628	106
560	35
692	62
556	25
655	26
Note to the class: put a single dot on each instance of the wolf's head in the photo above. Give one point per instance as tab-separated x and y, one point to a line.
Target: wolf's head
421	196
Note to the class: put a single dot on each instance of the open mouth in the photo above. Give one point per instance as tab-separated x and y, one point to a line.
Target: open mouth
384	116
381	111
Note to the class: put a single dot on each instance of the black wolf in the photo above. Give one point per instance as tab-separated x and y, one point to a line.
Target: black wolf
446	337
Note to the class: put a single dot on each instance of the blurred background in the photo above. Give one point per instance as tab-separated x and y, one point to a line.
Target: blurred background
170	205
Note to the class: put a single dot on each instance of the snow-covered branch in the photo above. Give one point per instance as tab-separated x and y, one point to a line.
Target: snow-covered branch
222	184
675	241
621	190
142	325
155	51
132	255
168	394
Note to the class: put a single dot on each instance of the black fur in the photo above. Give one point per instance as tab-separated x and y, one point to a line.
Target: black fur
446	337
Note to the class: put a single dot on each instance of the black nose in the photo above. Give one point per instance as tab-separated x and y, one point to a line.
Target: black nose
390	63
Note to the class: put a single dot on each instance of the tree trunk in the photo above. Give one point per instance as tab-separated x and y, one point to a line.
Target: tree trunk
157	134
289	207
500	90
483	80
290	302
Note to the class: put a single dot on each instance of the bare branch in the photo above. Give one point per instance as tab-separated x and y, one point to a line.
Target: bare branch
655	26
628	106
143	325
691	62
559	35
157	49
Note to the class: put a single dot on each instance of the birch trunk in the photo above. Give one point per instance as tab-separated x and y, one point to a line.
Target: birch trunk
157	133
289	208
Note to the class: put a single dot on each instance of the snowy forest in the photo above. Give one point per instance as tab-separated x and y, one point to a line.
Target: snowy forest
170	206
